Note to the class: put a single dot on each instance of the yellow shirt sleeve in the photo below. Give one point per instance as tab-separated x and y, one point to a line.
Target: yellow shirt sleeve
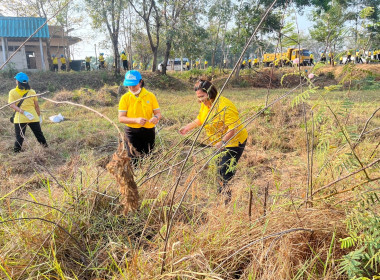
123	106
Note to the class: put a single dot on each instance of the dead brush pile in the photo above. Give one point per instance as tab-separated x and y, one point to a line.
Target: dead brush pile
275	246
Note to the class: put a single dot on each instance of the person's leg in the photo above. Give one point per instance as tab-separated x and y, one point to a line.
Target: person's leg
227	168
132	137
36	128
147	137
20	129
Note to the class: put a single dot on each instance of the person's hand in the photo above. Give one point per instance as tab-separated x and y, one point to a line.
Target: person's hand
154	120
28	115
184	130
140	121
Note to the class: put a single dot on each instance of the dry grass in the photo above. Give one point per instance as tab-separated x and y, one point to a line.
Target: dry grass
68	185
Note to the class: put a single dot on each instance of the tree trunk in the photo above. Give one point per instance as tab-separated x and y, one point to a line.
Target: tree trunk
167	52
154	63
115	43
50	62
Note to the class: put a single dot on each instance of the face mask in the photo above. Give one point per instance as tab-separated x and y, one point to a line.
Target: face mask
136	92
202	99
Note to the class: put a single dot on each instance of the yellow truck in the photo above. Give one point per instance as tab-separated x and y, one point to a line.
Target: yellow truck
287	58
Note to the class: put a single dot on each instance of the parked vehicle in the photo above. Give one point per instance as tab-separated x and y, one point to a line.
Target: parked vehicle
288	57
174	65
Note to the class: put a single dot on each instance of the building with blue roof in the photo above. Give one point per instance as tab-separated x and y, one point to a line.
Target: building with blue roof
34	54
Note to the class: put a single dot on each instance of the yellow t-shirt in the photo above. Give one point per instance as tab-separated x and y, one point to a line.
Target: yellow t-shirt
311	56
225	116
27	105
123	57
139	107
63	60
101	58
88	59
55	60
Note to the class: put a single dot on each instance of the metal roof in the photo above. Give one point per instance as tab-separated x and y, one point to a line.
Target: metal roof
23	27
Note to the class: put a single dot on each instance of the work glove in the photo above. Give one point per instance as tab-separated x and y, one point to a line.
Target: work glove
28	115
40	119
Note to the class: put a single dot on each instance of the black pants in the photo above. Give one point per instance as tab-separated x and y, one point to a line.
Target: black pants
227	166
20	129
55	67
63	67
142	140
88	66
125	64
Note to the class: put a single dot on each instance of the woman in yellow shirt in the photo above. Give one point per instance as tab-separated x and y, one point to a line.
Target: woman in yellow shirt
27	113
224	131
140	112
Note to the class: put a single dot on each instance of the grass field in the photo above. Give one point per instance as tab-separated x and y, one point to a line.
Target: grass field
61	217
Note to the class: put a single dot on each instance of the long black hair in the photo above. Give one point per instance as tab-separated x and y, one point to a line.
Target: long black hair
23	85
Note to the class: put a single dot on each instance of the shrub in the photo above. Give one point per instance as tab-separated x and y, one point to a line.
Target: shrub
363	225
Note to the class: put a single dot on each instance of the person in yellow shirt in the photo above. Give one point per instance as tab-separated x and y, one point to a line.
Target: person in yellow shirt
249	63
311	59
88	60
341	59
206	64
63	63
124	59
323	57
187	65
27	111
140	112
141	66
101	61
224	131
242	66
197	64
256	62
331	57
55	63
348	60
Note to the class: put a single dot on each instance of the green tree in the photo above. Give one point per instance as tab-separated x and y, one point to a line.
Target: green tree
329	26
149	12
108	13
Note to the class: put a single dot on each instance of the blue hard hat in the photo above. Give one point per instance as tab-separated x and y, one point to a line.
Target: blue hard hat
123	52
101	53
22	77
132	78
53	55
61	55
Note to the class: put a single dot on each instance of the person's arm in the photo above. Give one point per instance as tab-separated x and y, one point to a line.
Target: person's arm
190	126
17	109
157	116
226	138
124	119
37	107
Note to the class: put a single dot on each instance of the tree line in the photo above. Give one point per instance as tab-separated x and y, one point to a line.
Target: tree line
214	30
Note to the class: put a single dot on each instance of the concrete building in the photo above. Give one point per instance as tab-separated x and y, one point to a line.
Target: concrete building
33	55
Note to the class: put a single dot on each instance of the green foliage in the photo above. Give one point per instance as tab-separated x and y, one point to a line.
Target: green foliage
363	224
368	83
10	71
